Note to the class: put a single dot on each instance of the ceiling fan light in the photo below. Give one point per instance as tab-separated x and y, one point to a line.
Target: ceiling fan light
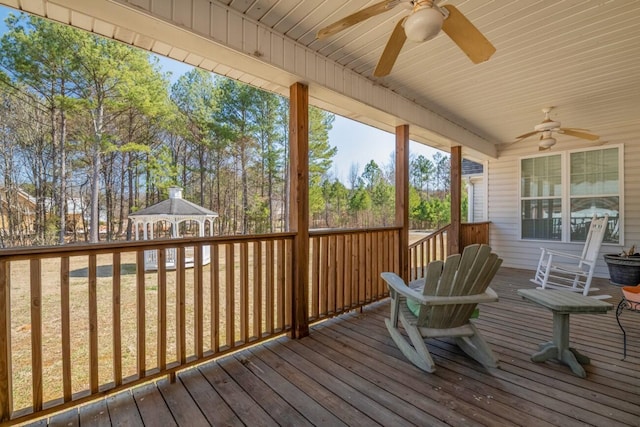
545	143
423	24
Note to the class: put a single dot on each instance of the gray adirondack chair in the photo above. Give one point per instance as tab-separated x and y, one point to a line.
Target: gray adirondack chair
441	304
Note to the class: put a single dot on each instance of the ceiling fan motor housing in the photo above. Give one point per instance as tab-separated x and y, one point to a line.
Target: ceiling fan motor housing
547	125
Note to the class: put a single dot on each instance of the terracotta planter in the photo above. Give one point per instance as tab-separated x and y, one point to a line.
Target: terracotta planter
623	271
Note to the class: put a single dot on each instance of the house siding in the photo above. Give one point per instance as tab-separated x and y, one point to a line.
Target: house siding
503	205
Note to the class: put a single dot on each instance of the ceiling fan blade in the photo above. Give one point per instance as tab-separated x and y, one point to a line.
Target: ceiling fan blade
467	36
578	134
357	17
391	51
526	135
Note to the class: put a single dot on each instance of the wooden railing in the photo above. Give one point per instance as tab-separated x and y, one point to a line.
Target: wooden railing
345	267
475	232
427	249
434	246
79	321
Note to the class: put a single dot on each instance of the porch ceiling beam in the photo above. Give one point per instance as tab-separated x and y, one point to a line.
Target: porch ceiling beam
220	38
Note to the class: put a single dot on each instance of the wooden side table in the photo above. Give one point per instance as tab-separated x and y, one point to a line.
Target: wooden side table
562	304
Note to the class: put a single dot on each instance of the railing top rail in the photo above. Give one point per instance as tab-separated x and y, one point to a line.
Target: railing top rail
430	236
14	254
332	231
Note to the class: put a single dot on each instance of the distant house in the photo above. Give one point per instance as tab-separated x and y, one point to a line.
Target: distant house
473	177
17	212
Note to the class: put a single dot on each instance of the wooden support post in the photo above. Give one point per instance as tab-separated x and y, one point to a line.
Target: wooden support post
299	205
402	198
5	343
456	200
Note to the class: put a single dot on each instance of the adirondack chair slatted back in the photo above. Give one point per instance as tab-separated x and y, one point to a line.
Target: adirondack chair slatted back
466	274
596	233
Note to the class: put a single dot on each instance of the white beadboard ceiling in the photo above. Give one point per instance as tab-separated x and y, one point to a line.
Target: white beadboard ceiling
580	56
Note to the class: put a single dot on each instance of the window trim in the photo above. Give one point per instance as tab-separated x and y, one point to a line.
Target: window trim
565	176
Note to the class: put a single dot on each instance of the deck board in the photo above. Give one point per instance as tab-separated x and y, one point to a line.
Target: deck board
213	407
123	410
152	407
95	414
349	372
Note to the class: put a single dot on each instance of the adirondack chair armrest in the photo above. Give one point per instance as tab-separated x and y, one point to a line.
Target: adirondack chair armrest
398	285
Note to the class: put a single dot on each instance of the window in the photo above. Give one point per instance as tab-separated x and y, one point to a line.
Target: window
541	192
557	203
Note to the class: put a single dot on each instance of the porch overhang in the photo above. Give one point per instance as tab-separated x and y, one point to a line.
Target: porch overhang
214	37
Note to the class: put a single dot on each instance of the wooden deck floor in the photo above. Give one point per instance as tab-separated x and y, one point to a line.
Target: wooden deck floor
348	372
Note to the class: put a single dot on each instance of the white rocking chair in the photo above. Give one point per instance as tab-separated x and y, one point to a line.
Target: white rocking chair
561	270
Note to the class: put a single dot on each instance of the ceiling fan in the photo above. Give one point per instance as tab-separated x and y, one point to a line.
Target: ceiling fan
424	22
548	126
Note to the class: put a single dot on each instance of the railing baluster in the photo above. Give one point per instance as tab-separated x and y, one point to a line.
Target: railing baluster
117	323
181	316
36	333
347	272
362	268
162	309
324	276
380	256
140	315
339	278
281	285
93	325
230	294
198	303
257	289
368	267
270	263
65	328
288	280
331	275
315	277
244	292
215	298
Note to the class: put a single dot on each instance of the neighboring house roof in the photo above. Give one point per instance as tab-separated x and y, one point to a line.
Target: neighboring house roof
471	168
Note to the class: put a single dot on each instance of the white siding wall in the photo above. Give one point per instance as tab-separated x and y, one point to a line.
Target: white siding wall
504	204
477	199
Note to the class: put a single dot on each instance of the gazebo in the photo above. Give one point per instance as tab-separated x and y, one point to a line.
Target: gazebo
167	215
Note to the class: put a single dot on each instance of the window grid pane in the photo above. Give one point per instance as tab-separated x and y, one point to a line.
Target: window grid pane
594	172
542	219
583	209
541	177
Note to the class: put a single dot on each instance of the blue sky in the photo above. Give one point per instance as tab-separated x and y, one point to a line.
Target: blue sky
352	138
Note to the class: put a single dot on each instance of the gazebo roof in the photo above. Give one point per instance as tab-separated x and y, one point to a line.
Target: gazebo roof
174	206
